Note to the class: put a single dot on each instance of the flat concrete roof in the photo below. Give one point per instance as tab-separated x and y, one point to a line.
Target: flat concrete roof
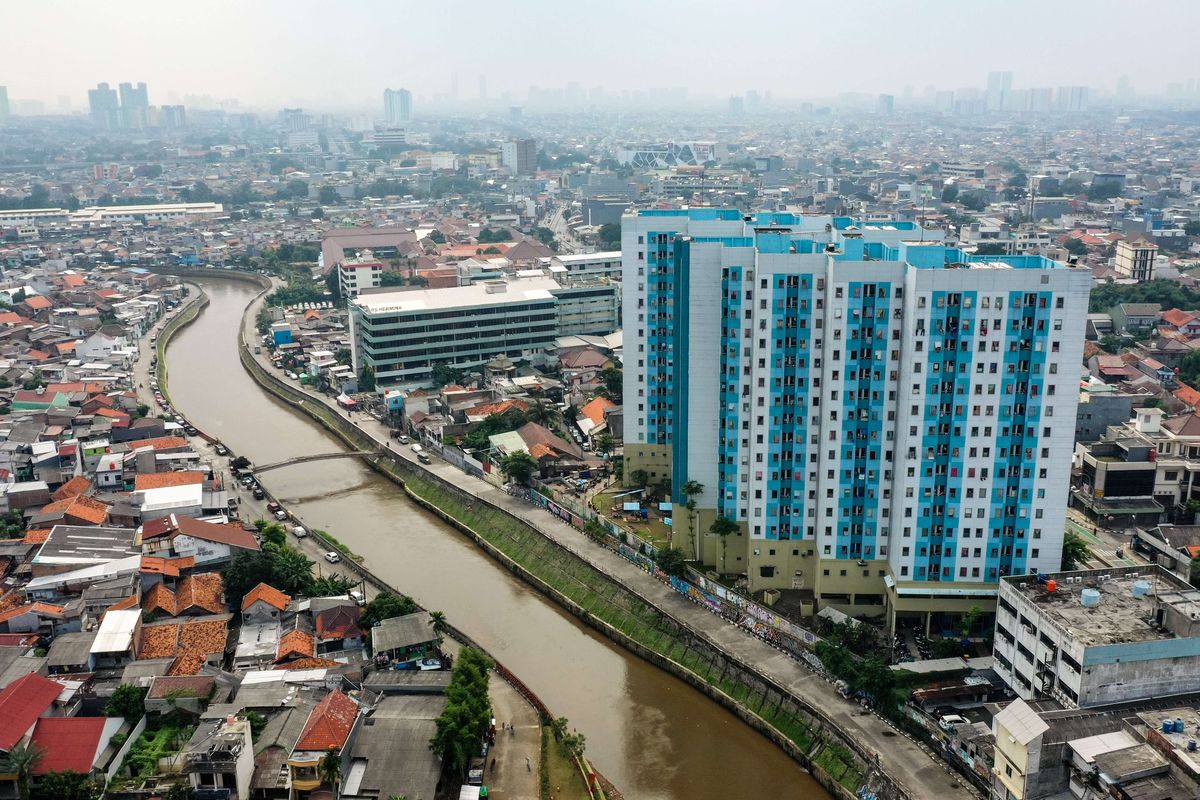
1120	617
475	295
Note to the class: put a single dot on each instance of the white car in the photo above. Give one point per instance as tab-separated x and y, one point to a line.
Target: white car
952	721
281	515
332	557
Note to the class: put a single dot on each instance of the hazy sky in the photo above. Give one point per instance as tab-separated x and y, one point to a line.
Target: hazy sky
341	53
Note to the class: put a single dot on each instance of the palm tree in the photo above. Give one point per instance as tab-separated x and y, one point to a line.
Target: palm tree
604	443
723	526
293	571
329	768
21	761
690	490
559	728
438	620
542	413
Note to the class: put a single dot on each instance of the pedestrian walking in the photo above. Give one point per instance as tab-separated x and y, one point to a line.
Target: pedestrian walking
528	766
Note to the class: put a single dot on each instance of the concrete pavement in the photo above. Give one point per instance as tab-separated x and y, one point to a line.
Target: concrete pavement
510	778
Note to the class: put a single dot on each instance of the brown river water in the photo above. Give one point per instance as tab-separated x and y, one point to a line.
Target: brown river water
655	737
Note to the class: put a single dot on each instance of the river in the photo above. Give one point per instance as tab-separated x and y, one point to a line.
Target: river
654	736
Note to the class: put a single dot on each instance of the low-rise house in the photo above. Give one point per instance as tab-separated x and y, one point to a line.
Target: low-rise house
209	543
188	692
71	547
192	644
393	758
403	639
264	603
71	653
194	595
117	640
337	629
75	744
219	759
1135	317
328	728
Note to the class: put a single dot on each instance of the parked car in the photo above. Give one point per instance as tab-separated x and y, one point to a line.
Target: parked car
952	721
190	431
221	451
357	597
402	439
273	506
248	479
424	458
332	557
258	493
299	532
416	448
281	515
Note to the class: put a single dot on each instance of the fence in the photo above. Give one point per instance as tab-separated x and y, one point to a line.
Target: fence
738	609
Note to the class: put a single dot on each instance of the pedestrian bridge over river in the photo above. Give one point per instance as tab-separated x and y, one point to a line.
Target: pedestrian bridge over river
260	468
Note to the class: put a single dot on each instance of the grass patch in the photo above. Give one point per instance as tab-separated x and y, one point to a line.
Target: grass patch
337	545
563	781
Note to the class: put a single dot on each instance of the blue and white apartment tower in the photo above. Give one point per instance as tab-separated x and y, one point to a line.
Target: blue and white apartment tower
889	420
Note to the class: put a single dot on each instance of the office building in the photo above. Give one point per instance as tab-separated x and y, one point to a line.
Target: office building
519	156
357	274
4	111
737	105
135	106
172	117
294	120
886	105
1135	258
872	408
999	91
104	107
587	307
670	154
605	264
403	334
1098	637
1072	98
397	106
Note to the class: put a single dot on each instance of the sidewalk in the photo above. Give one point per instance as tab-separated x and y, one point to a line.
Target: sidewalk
902	758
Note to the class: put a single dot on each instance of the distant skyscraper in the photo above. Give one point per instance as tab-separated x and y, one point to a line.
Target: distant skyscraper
998	89
887	104
483	87
520	156
104	107
737	105
3	103
514	113
172	117
397	106
135	106
1072	98
294	120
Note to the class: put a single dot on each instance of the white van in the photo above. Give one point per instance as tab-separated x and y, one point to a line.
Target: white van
416	448
299	532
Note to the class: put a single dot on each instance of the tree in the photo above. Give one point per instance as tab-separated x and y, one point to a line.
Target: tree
723	527
343	356
604	443
291	571
970	620
519	466
1075	246
639	477
1194	573
672	561
246	571
392	279
949	193
543	413
331	586
329	768
333	285
1074	551
614	382
973	201
386	605
444	374
546	237
610	236
467	712
438	620
437	237
67	785
1192	228
691	489
21	761
128	701
990	249
366	379
328	196
317	213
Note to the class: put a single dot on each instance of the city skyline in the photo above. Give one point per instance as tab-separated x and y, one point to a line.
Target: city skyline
275	59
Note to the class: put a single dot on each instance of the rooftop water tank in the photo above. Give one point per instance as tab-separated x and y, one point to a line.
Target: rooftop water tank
1090	598
1168	726
1141	588
1178	725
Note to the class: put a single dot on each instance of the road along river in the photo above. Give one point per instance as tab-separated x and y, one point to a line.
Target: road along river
654	736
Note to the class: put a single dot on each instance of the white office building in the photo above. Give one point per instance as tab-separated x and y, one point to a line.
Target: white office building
403	334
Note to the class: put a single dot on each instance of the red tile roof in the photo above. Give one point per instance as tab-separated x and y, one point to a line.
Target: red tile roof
329	724
82	507
594	409
295	643
159	443
268	594
195	592
340	622
67	743
167	566
21	703
1187	395
160	480
309	663
78	485
36	536
223	533
37	302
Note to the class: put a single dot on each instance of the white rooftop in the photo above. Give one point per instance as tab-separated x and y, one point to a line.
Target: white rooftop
1022	722
116	631
171	497
475	295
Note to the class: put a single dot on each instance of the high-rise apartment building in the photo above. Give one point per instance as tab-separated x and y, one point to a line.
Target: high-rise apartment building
397	106
887	420
104	107
135	106
1135	258
3	103
520	156
999	91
